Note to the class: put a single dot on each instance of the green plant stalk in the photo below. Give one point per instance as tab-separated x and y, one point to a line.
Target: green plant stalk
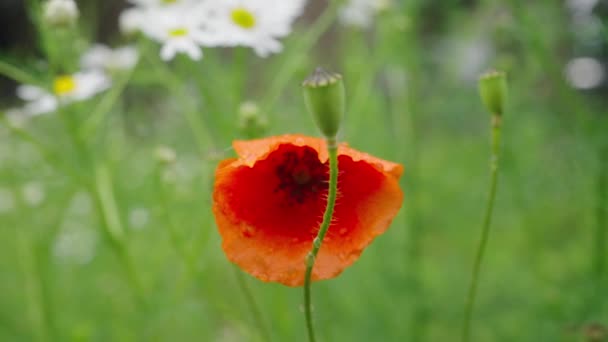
485	230
202	133
186	257
32	287
255	310
94	120
18	75
332	149
34	258
45	267
101	190
290	64
171	226
49	156
600	235
103	194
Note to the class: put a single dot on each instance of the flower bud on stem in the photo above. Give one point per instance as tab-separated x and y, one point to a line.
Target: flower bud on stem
324	96
493	92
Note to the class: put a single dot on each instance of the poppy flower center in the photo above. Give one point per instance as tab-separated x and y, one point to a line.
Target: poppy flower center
300	175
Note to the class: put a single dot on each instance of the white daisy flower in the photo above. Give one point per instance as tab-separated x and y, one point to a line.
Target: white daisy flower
179	29
360	13
254	23
133	19
161	3
66	88
102	57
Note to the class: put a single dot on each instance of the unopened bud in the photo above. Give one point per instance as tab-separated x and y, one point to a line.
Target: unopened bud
60	13
324	97
251	122
493	91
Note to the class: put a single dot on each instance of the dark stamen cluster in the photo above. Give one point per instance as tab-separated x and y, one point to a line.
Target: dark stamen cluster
301	175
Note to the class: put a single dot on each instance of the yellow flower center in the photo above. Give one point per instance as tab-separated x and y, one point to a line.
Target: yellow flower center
168	1
178	32
64	85
243	18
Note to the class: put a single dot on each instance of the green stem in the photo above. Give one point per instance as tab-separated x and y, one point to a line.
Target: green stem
94	120
35	302
110	217
255	311
287	69
170	223
17	74
202	133
485	230
51	157
599	249
332	149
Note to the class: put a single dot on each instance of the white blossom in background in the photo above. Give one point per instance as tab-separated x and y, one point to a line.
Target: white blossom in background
76	244
33	194
139	218
133	19
81	204
184	26
585	73
66	88
179	29
104	58
361	13
60	13
581	7
473	58
257	24
165	154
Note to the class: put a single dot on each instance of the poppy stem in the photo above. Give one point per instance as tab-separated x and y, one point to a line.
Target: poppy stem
485	231
332	149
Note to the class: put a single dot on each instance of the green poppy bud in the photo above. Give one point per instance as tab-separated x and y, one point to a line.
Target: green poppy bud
493	91
252	123
324	97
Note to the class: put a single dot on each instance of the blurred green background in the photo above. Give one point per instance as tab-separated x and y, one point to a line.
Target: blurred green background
411	83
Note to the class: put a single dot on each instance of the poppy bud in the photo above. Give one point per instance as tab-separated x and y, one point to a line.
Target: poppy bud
324	97
60	13
493	91
251	122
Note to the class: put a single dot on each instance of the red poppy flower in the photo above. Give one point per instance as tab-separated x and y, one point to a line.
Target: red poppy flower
269	204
